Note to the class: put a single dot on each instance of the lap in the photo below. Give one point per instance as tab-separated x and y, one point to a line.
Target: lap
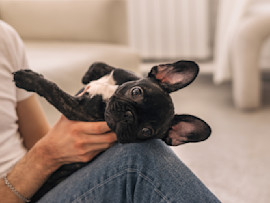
135	172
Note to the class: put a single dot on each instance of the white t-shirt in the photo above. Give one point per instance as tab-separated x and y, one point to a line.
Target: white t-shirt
12	58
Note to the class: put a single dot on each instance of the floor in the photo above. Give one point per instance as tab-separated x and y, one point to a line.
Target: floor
234	162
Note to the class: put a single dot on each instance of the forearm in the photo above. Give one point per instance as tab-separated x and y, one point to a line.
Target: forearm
28	175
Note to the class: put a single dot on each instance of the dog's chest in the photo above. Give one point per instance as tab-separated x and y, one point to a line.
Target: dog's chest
105	86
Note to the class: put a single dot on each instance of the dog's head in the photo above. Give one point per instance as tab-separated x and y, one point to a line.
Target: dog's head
143	109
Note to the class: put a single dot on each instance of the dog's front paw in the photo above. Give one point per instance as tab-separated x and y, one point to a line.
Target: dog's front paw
26	79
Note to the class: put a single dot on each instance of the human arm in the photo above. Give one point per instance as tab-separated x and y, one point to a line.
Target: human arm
67	142
31	120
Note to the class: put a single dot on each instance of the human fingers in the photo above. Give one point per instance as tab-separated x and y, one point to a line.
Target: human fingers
109	137
93	128
68	140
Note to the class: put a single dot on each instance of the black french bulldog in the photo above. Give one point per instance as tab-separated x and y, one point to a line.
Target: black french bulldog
134	108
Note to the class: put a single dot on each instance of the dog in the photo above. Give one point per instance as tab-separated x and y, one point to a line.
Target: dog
135	108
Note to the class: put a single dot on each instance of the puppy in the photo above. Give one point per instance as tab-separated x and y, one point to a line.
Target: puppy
135	108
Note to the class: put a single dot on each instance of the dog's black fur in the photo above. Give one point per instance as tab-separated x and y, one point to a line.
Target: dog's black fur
136	108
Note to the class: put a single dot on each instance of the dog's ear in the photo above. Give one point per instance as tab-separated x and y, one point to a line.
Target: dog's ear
172	77
96	71
187	128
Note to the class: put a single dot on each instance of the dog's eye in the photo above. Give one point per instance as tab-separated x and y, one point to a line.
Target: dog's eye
136	92
147	132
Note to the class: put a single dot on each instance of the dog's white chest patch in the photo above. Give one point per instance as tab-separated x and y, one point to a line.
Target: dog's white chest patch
104	86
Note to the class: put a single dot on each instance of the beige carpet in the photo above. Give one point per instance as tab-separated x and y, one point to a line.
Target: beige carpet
235	161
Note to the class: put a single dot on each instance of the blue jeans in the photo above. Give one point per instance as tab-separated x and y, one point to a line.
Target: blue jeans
147	172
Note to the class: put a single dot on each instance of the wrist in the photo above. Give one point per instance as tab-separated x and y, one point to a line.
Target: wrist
14	191
45	161
34	169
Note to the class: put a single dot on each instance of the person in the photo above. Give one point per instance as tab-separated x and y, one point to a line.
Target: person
30	151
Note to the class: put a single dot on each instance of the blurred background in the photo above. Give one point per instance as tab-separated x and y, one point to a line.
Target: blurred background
229	39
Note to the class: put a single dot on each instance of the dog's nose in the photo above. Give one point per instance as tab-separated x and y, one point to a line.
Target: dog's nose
128	117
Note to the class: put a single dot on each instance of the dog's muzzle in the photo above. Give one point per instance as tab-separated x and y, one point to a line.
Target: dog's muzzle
120	116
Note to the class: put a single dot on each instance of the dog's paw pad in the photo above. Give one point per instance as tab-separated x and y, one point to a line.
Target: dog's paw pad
25	79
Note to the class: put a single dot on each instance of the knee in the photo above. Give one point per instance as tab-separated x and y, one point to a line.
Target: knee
147	148
147	154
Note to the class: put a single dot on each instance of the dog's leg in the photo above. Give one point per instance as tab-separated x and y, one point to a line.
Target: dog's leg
98	70
72	107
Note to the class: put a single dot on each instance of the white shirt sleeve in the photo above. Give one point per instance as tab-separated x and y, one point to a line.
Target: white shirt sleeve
22	63
15	55
12	58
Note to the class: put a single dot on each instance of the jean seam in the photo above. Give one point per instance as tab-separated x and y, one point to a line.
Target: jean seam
99	185
150	182
127	170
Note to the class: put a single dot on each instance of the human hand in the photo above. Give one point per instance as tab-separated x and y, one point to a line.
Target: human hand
72	141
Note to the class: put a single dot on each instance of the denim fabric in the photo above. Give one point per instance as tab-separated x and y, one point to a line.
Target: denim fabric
147	172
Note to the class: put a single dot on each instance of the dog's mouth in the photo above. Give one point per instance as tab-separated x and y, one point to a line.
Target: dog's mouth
121	118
